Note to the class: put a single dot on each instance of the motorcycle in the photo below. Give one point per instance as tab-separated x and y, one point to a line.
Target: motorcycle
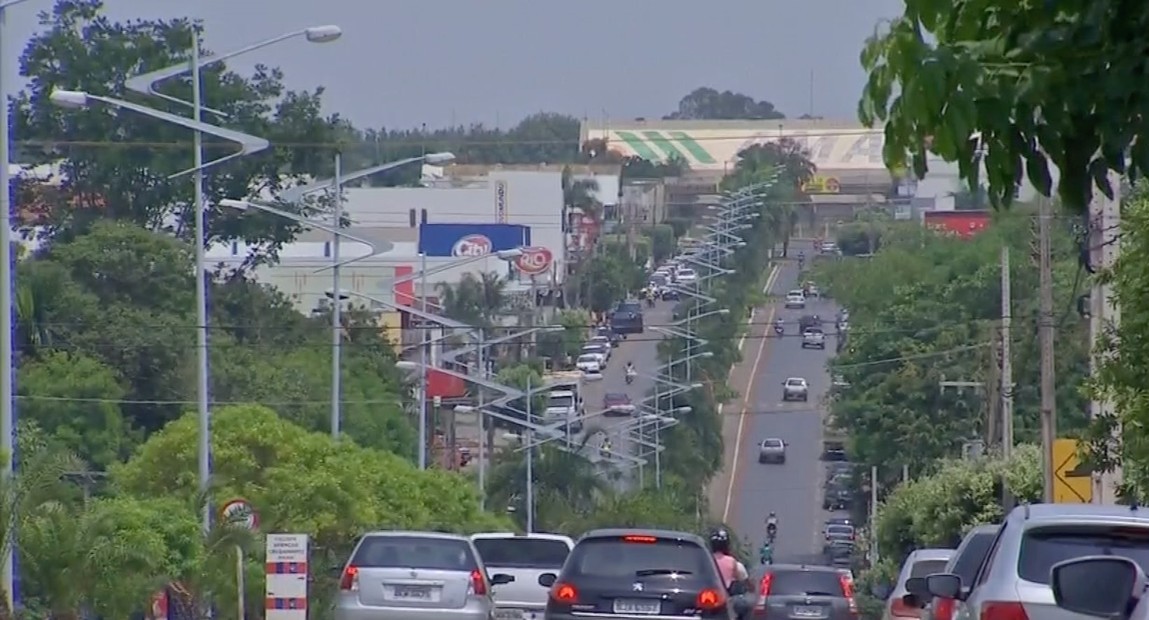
630	374
778	329
771	531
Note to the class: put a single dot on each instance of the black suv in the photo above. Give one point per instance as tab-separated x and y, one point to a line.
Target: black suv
623	573
627	318
799	591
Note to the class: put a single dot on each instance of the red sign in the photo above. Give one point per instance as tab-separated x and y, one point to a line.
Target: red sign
534	261
472	245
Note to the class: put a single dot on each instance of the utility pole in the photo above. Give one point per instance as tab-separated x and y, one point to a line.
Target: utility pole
873	515
993	393
1006	357
1104	315
1045	328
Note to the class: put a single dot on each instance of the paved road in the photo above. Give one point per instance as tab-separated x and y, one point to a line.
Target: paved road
642	349
792	490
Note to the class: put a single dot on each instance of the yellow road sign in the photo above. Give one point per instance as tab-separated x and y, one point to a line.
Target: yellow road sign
1070	484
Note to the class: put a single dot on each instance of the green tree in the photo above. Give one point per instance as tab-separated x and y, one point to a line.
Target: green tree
566	485
80	48
474	300
76	400
706	103
942	71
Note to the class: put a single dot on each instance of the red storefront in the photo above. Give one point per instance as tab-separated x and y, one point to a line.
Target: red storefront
961	223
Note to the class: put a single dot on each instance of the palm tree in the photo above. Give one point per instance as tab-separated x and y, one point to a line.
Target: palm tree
562	478
474	300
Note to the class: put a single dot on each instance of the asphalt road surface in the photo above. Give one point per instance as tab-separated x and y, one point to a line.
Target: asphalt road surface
793	490
642	349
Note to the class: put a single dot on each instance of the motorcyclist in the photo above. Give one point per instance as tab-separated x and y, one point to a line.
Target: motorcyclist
766	553
631	371
779	326
801	259
732	571
771	526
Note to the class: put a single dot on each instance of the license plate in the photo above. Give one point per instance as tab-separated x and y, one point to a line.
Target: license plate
531	615
639	607
412	593
807	612
509	614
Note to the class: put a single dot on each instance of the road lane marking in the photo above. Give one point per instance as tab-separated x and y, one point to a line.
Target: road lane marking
745	402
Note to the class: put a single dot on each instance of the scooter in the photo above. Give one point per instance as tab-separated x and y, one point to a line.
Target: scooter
630	376
778	329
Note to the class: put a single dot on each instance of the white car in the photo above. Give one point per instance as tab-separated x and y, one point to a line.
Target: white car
795	388
590	363
686	276
796	299
599	352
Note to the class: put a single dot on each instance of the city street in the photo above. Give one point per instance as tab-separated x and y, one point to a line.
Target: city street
791	490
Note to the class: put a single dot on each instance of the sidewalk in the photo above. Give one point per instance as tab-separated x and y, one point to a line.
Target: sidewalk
740	377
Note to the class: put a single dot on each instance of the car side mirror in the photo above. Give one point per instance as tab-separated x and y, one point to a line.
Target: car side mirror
547	580
499	579
881	591
917	587
944	585
1100	586
912	601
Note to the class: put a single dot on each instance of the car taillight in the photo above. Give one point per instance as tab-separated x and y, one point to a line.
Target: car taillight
848	592
710	599
764	588
350	579
901	610
1001	610
564	593
478	583
943	608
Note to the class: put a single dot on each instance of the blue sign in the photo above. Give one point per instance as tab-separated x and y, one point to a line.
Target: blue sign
466	240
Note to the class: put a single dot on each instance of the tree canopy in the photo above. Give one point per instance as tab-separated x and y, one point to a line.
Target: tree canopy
706	103
1013	72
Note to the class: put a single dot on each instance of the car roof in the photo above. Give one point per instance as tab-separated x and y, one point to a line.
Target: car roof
1099	512
657	533
810	568
788	379
415	533
918	555
533	535
773	440
616	395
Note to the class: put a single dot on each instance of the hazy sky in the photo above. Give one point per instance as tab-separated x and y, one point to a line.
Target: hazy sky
402	63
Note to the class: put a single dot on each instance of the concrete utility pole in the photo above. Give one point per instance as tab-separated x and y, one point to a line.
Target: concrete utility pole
873	515
1045	328
1006	357
1104	314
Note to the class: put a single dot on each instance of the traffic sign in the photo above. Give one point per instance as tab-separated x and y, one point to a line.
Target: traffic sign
239	513
1071	485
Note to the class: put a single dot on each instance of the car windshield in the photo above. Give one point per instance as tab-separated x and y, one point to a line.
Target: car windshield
805	582
618	558
587	358
414	552
839	530
520	552
772	443
925	568
795	382
1043	547
686	272
616	398
797	294
560	401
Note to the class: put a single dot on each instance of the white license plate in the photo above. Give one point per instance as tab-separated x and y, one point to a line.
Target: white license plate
807	612
510	614
531	615
411	593
637	606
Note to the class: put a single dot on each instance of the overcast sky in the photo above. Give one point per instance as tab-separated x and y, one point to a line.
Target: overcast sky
403	63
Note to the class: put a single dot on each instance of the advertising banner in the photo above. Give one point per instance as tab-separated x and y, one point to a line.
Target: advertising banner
466	240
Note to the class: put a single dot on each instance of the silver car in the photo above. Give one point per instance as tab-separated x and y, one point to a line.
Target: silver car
526	557
416	576
772	450
1014	580
920	563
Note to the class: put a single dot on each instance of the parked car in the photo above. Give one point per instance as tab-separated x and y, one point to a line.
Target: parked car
834	532
772	450
590	363
795	388
398	574
796	299
834	451
1014	580
801	591
617	403
525	557
628	573
837	497
686	276
966	559
599	349
920	563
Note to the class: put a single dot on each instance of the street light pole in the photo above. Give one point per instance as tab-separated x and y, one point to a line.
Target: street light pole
530	499
203	369
336	304
423	327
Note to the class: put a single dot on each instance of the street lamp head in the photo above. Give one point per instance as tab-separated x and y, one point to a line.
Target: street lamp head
706	354
406	365
696	386
465	409
323	34
330	294
73	99
436	159
510	254
238	205
683	410
723	311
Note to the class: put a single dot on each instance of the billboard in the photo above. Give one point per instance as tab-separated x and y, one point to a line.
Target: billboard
963	224
463	240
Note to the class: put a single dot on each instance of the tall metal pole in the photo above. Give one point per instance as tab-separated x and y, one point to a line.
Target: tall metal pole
657	455
423	358
7	325
1045	332
1105	245
530	463
202	370
873	515
336	303
482	371
1006	357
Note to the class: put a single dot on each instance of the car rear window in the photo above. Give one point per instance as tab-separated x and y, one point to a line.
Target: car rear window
414	552
517	552
616	557
1044	547
841	530
923	568
972	556
805	582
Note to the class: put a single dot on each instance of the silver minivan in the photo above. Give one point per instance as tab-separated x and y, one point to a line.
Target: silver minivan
1014	580
526	557
398	575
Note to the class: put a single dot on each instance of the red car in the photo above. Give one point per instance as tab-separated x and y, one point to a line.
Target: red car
617	403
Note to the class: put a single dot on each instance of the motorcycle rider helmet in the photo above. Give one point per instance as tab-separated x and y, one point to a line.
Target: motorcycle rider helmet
720	541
